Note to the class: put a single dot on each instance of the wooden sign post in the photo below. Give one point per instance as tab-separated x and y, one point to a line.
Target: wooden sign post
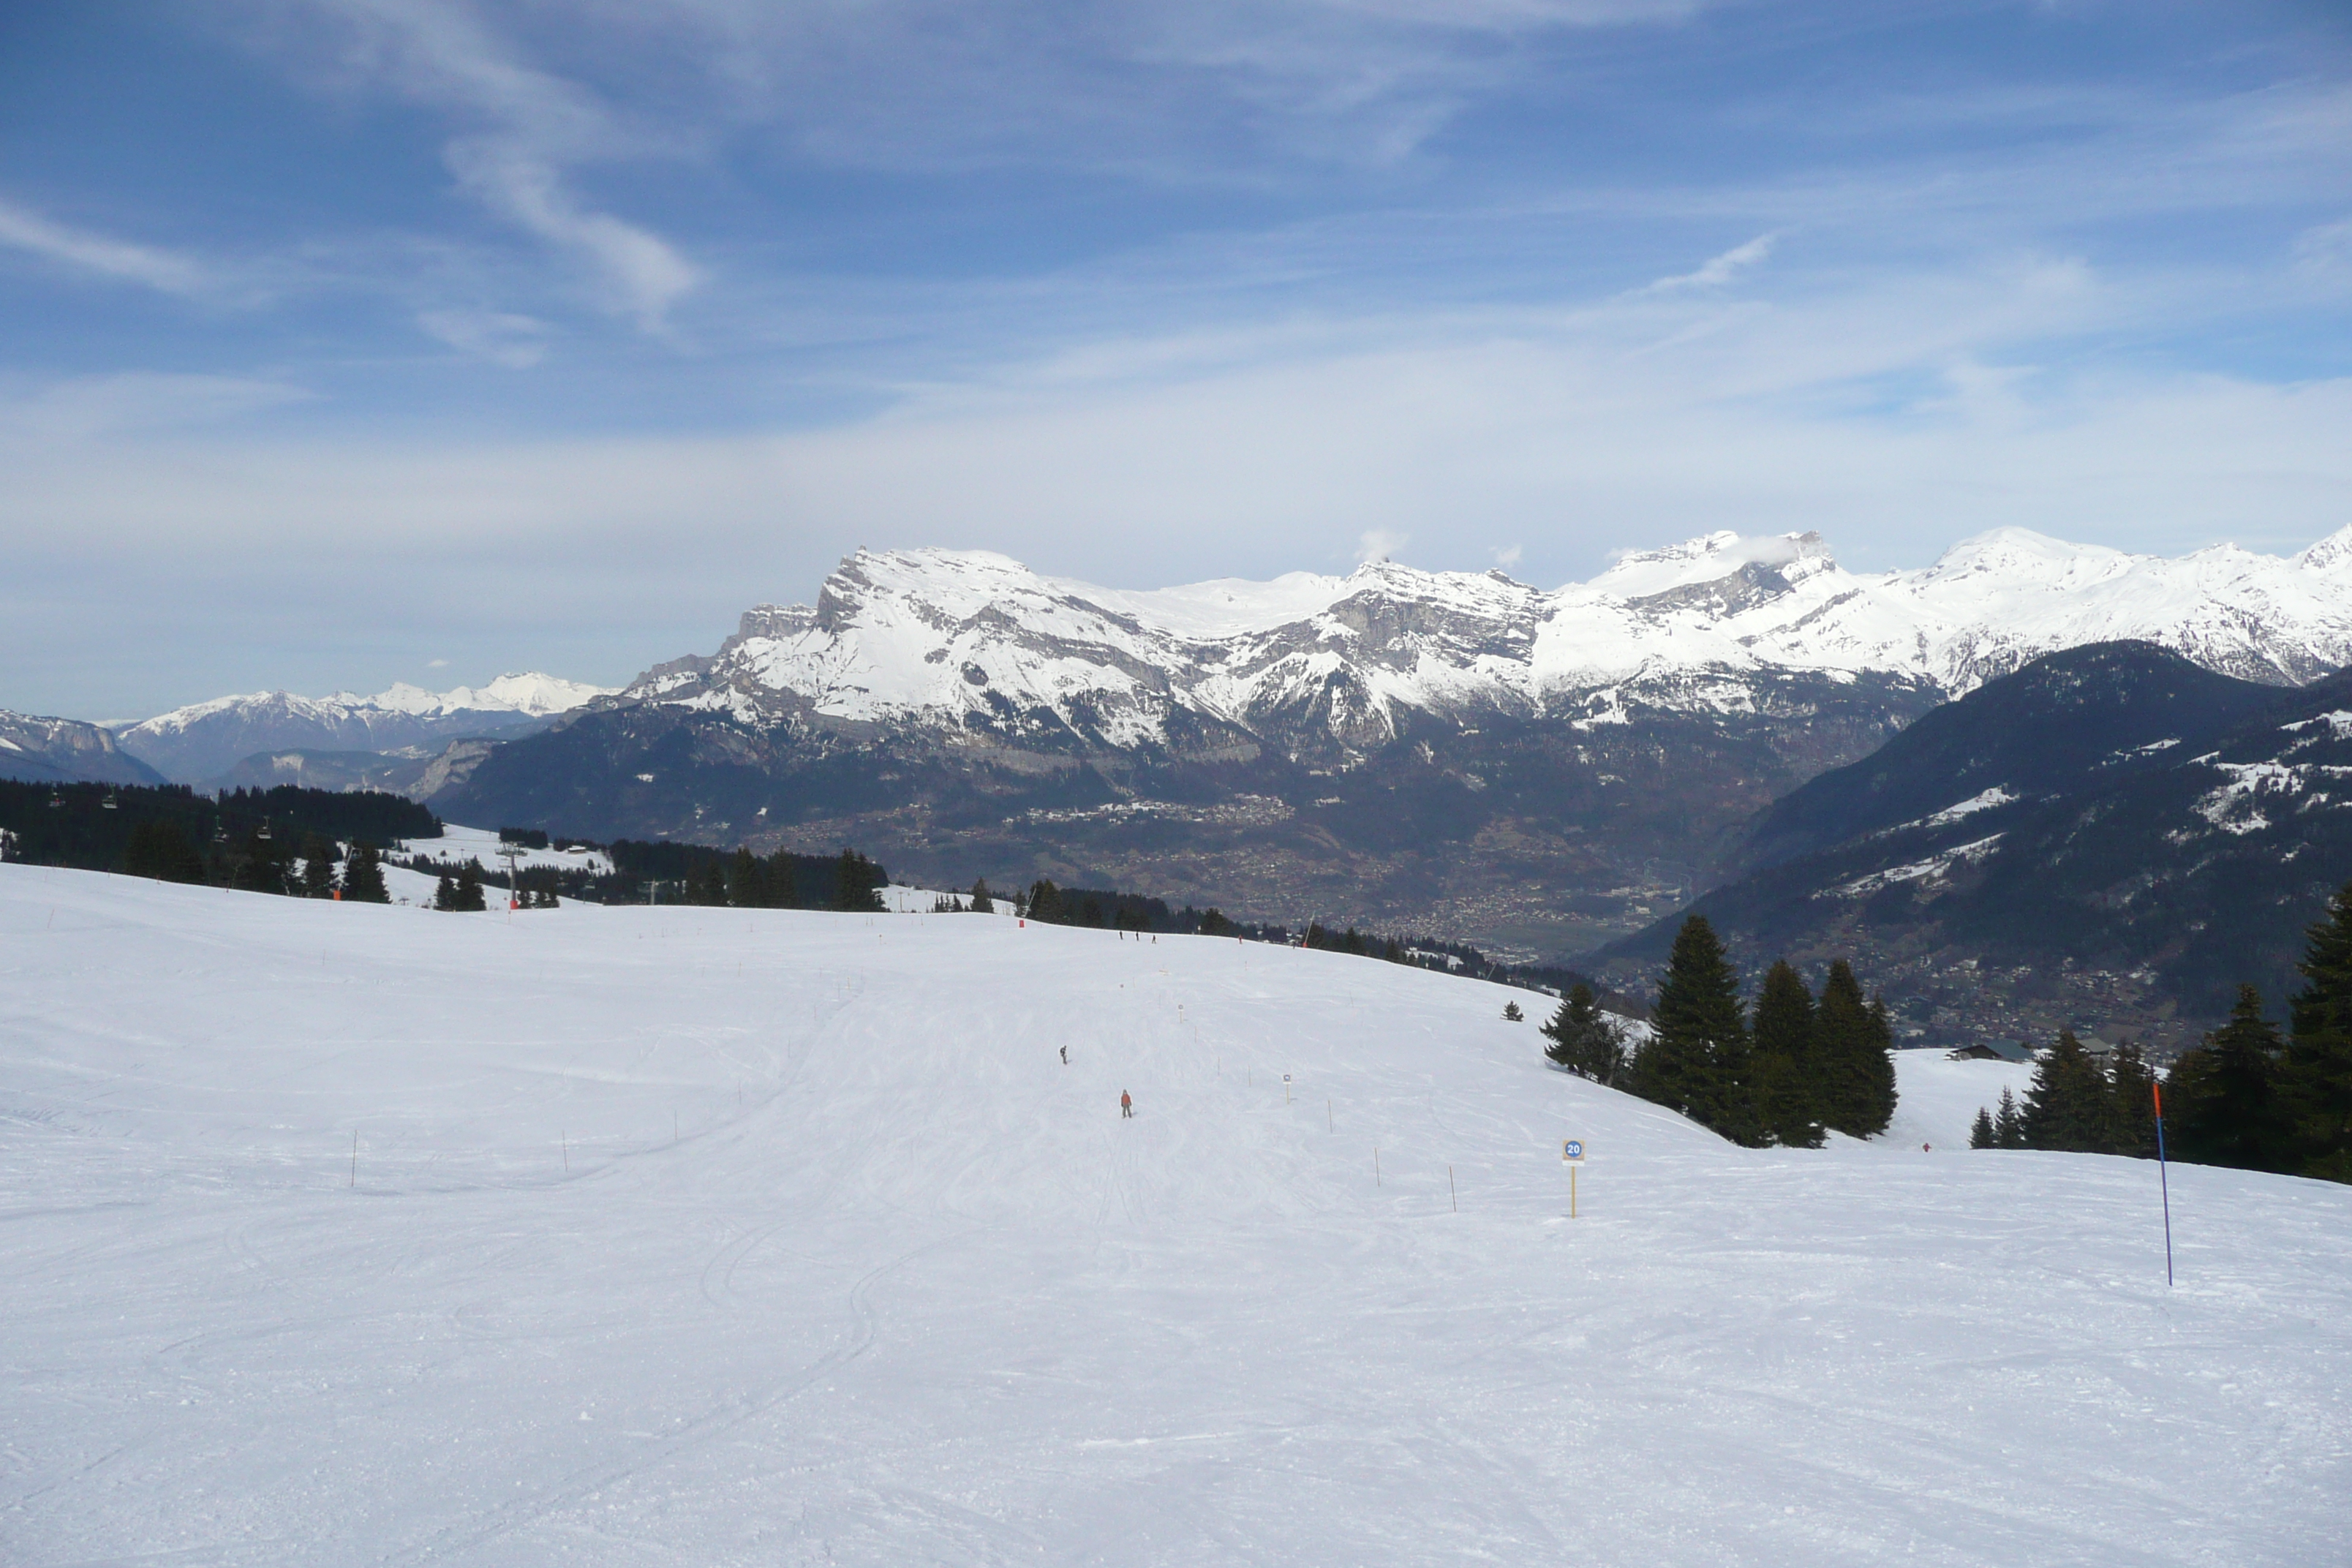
1572	1152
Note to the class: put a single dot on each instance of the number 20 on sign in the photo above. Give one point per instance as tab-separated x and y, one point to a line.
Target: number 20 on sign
1572	1150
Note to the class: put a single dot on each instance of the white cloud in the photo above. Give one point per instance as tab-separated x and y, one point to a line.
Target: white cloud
160	269
513	341
539	127
437	664
1508	556
1720	269
643	275
1378	543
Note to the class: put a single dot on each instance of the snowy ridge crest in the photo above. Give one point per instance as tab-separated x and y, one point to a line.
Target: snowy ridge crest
975	643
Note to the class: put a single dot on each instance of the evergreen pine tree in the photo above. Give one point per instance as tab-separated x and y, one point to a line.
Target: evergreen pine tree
1511	1014
318	866
1878	1090
857	884
1045	902
162	850
2067	1107
444	893
1582	1038
1852	1040
784	881
1980	1132
1696	1062
2131	1104
2008	1124
1788	1086
2221	1098
747	880
2314	1079
982	904
468	896
364	877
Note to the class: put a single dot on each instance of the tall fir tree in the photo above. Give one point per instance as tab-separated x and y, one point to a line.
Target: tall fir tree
1980	1132
2009	1122
363	876
2314	1080
2067	1109
1788	1084
444	893
2220	1100
784	881
747	879
318	866
857	884
469	899
981	903
1696	1061
1853	1051
1583	1039
2131	1103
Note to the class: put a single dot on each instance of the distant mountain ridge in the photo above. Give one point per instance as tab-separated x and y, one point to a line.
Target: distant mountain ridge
205	741
66	751
1533	771
2111	837
975	641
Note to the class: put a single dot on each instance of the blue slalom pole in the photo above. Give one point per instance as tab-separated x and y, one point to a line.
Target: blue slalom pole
2163	1182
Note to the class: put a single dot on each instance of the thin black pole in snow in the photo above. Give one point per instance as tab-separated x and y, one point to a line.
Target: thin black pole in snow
2163	1182
355	1156
1449	1190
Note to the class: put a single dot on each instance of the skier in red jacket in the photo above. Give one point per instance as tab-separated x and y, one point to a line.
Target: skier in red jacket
1126	1106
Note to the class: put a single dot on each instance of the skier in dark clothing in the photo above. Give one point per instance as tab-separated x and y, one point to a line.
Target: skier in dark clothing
1065	1056
1126	1106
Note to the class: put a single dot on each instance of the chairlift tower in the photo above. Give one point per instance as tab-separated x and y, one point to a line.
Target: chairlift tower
514	881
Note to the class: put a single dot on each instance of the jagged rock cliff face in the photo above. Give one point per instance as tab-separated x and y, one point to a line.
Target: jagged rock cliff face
1457	752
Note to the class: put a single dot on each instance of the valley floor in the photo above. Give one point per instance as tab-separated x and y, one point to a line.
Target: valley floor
341	1234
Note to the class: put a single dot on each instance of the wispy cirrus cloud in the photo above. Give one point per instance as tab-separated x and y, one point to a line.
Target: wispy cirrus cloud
1718	271
86	252
529	130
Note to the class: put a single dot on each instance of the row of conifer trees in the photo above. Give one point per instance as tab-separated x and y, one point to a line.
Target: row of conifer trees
2077	1104
2248	1097
1796	1069
301	866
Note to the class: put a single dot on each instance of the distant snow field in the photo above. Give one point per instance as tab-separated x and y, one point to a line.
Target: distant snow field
345	1234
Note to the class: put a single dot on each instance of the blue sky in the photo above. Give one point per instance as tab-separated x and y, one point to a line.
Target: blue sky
344	342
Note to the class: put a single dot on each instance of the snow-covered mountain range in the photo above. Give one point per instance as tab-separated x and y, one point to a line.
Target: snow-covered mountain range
1454	753
206	739
975	642
65	751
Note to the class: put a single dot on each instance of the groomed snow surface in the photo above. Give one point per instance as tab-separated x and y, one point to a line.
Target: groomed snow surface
903	1289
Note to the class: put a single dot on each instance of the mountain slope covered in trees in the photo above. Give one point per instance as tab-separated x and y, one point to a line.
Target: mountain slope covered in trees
2109	839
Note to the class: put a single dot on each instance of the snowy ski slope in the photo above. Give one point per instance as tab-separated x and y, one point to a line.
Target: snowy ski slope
903	1289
